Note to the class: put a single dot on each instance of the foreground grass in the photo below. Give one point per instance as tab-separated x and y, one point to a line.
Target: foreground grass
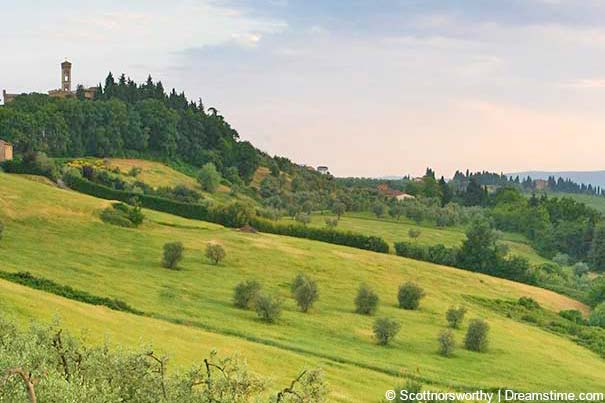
392	230
56	234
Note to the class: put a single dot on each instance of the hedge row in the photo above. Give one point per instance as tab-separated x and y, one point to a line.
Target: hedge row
229	216
38	283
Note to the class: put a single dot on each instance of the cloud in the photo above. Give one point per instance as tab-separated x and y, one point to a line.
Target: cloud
586	83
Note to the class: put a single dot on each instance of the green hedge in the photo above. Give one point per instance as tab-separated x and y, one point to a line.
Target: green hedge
230	217
38	283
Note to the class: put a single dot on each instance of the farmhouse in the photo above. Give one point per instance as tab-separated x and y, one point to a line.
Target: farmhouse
397	194
64	90
323	169
6	151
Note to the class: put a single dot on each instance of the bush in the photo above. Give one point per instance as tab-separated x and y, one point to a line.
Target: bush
597	316
215	253
385	329
113	216
304	291
246	293
573	315
409	295
268	308
1	230
209	178
528	303
580	269
455	316
447	343
414	233
366	302
477	336
173	253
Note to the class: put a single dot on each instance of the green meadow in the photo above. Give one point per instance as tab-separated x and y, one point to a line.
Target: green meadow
57	234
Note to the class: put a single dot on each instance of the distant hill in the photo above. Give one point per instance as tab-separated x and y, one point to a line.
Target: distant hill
594	178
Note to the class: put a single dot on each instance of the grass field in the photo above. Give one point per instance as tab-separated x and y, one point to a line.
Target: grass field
56	234
393	230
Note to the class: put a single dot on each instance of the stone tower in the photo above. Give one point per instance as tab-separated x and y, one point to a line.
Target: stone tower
66	76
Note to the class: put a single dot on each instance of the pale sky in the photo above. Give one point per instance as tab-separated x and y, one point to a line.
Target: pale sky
368	88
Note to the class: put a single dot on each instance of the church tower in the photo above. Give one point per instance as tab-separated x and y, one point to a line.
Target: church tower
66	76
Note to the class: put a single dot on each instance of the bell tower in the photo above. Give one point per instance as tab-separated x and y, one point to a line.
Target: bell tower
66	76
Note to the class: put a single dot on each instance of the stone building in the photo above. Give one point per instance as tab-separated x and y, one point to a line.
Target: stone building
6	151
64	90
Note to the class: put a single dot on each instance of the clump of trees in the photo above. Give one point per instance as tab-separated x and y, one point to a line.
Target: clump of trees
409	295
215	253
173	253
366	301
476	338
246	293
385	329
455	316
305	292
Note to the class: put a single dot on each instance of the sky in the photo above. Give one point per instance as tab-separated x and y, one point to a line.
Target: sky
368	88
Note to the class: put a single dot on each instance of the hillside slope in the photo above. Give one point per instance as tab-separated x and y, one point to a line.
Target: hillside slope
56	234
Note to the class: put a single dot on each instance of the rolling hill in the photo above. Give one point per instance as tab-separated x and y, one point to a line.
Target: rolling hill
594	178
56	234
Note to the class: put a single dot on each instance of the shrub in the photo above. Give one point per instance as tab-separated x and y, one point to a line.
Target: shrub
209	178
246	293
304	291
173	253
414	233
1	230
528	303
447	343
597	316
268	308
477	336
580	269
409	295
385	329
113	216
573	315
366	302
455	316
134	172
215	253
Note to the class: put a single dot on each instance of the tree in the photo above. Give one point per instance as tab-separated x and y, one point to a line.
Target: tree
580	269
366	302
597	316
385	329
246	293
339	208
597	248
596	294
409	295
173	253
562	259
447	343
479	250
414	233
303	218
305	292
455	316
477	336
446	192
378	209
215	253
268	308
209	178
331	222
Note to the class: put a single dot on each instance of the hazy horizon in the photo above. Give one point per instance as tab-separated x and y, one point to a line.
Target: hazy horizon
369	91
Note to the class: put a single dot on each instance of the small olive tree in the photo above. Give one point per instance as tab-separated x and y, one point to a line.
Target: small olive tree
414	233
477	336
246	293
303	218
455	316
215	253
385	329
305	292
447	343
268	308
366	302
409	295
173	253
